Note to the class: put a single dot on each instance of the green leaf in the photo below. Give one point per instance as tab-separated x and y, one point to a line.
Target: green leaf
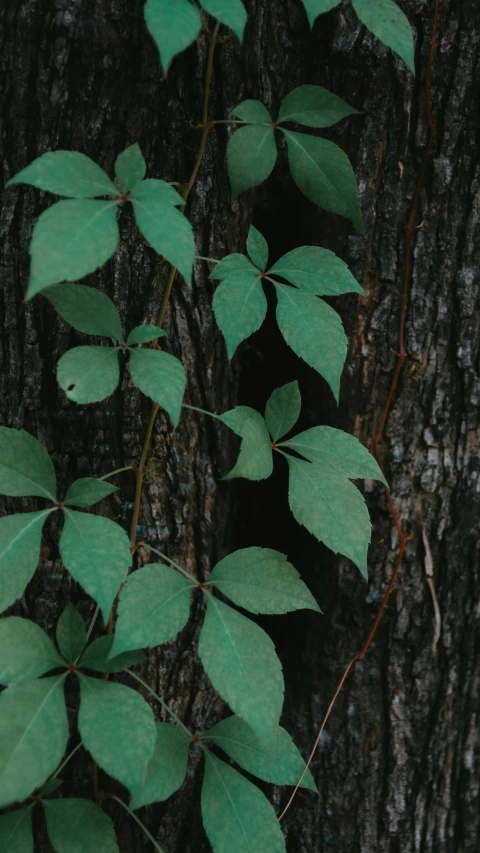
118	729
79	826
314	8
89	374
25	466
96	552
252	154
240	307
88	491
71	635
27	652
70	240
97	657
230	12
314	331
67	173
163	226
253	112
255	460
324	173
167	768
283	410
144	334
86	309
16	831
130	167
331	508
173	26
33	736
387	21
252	753
236	815
161	377
257	248
20	537
262	581
316	271
154	190
314	106
154	605
232	266
337	451
240	660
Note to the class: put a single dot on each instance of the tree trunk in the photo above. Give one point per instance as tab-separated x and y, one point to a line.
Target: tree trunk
398	764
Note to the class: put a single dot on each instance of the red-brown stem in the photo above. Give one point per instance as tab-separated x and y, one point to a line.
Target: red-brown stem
401	356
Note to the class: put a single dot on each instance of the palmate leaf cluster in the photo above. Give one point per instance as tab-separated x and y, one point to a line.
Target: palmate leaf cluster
116	724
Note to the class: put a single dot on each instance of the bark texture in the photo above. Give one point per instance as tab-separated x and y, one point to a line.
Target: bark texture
398	765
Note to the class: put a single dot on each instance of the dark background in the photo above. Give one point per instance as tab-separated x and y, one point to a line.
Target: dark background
398	765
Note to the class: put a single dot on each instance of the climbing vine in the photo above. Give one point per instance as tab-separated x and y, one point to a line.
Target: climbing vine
147	606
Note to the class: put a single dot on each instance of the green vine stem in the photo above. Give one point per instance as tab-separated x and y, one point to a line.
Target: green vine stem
66	760
185	194
117	471
136	819
161	701
172	562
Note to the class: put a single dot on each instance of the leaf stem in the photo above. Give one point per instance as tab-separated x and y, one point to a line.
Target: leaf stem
65	762
183	571
229	121
117	471
210	260
185	194
137	821
202	411
162	702
91	626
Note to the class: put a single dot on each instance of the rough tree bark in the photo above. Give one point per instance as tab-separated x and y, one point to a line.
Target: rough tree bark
398	765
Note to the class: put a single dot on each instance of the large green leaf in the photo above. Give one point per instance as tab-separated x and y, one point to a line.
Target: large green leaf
163	226
314	331
20	537
154	190
33	735
67	173
253	112
154	605
79	826
314	106
316	271
236	815
241	662
96	552
387	21
257	248
97	657
314	8
254	754
331	508
161	377
117	727
263	581
86	309
233	265
16	834
89	374
173	26
252	153
230	12
25	466
338	451
71	239
167	768
144	334
255	460
88	491
324	173
237	419
283	410
240	307
70	634
27	651
130	167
